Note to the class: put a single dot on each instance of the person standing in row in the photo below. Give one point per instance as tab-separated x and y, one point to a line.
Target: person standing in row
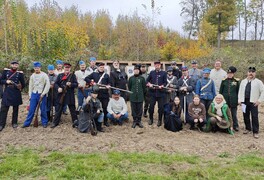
217	75
39	86
59	68
251	94
119	79
156	80
186	87
137	85
171	83
176	70
92	68
66	83
194	72
14	82
97	78
83	90
205	88
144	74
229	89
52	95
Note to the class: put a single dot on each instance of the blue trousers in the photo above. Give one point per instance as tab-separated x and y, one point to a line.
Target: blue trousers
33	105
121	119
81	96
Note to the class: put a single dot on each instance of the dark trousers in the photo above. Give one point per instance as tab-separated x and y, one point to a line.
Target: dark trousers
104	102
190	121
253	110
137	110
4	112
146	103
234	116
207	104
153	100
57	117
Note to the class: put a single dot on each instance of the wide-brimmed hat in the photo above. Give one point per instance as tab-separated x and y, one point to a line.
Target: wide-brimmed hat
223	124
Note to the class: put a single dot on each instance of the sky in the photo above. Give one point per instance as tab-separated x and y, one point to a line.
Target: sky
169	9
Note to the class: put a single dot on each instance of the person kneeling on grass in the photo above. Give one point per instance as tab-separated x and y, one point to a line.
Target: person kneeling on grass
117	108
220	116
172	121
197	114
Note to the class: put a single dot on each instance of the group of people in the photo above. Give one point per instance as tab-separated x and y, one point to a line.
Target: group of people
205	99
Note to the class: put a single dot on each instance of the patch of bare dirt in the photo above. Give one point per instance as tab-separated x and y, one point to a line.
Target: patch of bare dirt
124	138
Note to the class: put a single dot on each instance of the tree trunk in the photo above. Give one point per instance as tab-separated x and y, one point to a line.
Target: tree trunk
239	27
256	26
246	22
219	32
262	20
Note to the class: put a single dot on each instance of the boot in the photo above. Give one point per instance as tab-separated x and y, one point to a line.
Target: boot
99	127
134	124
140	124
145	113
48	114
106	122
150	122
160	120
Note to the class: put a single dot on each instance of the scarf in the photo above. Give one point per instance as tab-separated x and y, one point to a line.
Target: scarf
219	106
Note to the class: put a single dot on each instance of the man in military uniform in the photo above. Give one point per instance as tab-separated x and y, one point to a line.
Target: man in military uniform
119	78
144	74
186	87
137	85
156	81
92	68
52	96
68	81
14	82
176	71
97	78
229	89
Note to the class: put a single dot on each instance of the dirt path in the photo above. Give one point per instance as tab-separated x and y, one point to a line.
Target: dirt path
124	138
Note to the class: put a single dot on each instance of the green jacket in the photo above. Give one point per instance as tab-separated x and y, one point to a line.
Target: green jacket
138	86
229	89
225	110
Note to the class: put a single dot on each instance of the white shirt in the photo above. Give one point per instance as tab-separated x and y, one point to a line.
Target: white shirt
217	76
39	83
81	75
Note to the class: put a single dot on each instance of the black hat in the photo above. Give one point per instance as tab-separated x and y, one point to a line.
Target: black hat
14	62
231	69
137	66
94	91
194	62
143	65
251	69
101	64
156	62
67	65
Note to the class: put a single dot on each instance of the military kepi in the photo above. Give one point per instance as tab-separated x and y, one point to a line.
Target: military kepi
231	69
251	69
51	67
67	65
36	64
156	62
14	62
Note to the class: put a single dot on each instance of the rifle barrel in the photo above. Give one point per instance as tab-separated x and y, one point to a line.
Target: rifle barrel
116	88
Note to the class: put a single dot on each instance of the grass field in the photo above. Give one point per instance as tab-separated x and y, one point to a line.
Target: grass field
39	164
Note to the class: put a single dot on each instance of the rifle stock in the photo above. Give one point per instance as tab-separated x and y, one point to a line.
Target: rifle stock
35	124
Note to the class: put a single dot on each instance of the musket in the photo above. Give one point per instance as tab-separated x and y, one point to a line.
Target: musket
35	123
51	105
167	88
18	86
102	85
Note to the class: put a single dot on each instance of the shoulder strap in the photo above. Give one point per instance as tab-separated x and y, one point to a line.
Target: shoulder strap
205	86
101	78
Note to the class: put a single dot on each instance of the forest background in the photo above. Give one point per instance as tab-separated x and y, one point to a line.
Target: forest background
46	32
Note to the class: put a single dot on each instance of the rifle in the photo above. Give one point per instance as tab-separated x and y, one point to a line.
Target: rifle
167	88
18	86
51	105
66	87
116	88
35	124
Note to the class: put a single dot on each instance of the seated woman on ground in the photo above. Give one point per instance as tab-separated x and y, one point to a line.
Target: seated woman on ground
197	114
172	120
220	116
